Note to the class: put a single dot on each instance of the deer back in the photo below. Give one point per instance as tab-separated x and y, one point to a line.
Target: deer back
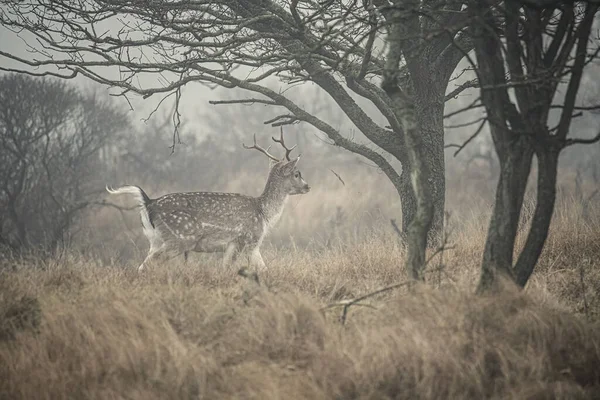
195	211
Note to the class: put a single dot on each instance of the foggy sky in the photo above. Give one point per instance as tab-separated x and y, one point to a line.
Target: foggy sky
195	97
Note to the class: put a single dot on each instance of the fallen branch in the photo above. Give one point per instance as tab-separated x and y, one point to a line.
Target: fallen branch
346	304
253	276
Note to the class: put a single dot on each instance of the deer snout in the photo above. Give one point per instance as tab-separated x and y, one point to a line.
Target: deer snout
306	188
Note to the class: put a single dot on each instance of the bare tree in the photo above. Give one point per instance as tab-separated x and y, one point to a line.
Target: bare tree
50	139
339	45
146	156
525	51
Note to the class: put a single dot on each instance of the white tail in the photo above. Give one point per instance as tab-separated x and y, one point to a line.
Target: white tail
143	200
134	190
177	223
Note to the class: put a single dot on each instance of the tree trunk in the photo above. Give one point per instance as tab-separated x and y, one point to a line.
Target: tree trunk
420	226
515	166
430	118
407	198
419	176
18	224
430	123
544	208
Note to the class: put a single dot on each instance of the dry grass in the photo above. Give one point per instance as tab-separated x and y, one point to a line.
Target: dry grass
76	328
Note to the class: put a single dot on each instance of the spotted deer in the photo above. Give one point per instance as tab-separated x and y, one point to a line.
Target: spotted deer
178	223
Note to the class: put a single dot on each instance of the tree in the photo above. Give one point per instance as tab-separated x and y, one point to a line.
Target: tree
51	137
526	51
338	45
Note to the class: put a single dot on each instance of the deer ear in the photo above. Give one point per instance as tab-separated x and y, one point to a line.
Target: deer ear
295	161
290	165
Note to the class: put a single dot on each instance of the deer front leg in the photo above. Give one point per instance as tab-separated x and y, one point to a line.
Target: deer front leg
256	259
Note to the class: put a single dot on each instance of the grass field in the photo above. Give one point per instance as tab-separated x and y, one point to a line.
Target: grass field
78	327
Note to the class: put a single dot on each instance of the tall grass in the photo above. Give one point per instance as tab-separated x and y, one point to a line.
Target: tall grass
72	327
82	326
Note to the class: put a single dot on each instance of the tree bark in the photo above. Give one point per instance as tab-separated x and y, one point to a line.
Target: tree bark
429	114
408	106
514	36
437	187
408	202
544	209
430	119
419	176
515	166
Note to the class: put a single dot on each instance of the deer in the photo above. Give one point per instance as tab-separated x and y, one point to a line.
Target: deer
212	222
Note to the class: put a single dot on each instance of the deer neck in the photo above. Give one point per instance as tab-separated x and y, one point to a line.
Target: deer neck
272	201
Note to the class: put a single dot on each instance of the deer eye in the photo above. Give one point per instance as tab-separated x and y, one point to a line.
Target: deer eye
297	174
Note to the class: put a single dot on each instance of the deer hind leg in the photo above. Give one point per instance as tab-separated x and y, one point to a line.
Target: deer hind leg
231	253
152	254
162	253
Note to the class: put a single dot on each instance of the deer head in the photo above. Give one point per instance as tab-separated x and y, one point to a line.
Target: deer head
284	171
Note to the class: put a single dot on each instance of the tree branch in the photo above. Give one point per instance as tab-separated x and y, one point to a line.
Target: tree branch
243	101
473	83
332	133
570	142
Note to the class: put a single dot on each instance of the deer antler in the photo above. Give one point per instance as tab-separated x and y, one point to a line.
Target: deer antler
262	150
282	143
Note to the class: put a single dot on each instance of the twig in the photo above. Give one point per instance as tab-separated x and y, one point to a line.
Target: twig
176	117
440	249
397	230
284	123
466	142
582	281
464	124
346	304
145	120
338	176
290	119
468	107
